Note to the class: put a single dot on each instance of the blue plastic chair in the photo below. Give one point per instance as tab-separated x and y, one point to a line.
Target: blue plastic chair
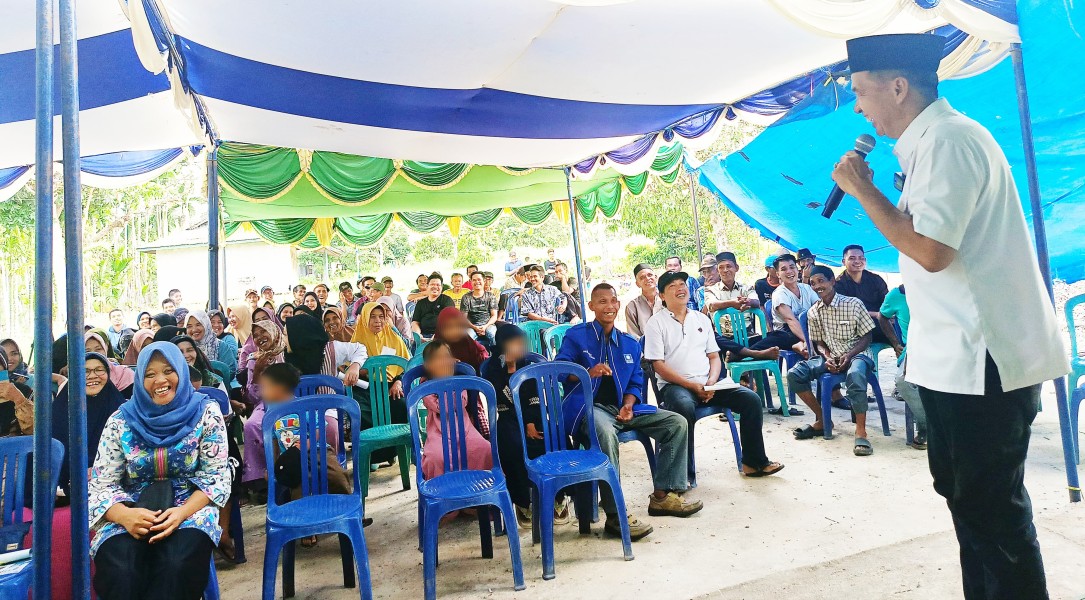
512	308
559	466
384	433
535	331
311	385
1075	414
211	592
553	338
459	487
15	463
736	368
1077	362
218	396
316	512
702	411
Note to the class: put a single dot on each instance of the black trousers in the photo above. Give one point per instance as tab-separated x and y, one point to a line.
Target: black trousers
176	568
976	447
781	338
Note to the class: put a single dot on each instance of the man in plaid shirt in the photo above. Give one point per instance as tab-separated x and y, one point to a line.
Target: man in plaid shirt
840	332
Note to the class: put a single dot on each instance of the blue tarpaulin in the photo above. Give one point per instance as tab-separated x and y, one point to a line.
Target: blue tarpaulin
779	181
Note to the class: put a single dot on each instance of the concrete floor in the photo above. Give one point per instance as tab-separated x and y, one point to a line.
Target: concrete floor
831	525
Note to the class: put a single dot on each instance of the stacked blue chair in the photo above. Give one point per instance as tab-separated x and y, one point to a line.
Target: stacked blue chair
702	411
14	465
535	331
384	433
237	528
560	466
737	367
316	512
311	385
459	487
553	338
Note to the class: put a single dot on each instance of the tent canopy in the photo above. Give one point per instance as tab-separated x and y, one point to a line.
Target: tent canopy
778	182
526	84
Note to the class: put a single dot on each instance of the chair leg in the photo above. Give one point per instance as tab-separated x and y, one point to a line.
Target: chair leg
429	554
881	406
346	551
505	504
692	466
421	521
364	455
1075	414
594	502
404	454
289	552
827	409
237	532
272	550
360	555
499	526
619	503
544	517
735	439
650	451
909	425
763	381
484	531
535	532
780	391
584	502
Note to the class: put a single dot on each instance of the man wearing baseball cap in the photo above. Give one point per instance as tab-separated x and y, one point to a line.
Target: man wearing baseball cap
767	284
983	336
806	263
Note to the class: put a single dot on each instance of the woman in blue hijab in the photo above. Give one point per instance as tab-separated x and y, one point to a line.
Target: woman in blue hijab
157	484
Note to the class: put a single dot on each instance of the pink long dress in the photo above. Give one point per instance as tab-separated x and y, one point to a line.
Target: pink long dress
433	457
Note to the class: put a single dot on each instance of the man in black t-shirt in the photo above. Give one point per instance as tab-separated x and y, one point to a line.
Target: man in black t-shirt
424	320
765	286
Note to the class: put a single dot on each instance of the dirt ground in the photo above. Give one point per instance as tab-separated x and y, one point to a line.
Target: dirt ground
831	525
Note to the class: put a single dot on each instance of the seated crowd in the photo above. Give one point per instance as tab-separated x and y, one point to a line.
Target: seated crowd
168	463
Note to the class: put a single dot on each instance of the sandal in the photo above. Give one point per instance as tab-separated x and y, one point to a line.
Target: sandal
919	442
765	471
808	433
792	411
226	550
863	447
309	542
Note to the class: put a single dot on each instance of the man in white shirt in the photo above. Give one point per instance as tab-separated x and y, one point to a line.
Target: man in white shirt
978	351
789	300
682	348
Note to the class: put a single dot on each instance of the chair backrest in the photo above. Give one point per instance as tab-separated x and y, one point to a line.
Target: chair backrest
804	321
312	384
548	377
738	323
512	308
554	336
309	413
531	359
454	419
413	374
218	396
15	466
223	370
1071	304
379	382
767	309
535	331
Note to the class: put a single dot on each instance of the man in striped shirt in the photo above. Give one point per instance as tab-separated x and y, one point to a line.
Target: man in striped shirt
840	333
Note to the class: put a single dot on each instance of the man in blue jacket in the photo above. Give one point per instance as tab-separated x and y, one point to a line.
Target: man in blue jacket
612	358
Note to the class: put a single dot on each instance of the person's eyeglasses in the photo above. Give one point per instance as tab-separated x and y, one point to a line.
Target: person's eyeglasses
98	372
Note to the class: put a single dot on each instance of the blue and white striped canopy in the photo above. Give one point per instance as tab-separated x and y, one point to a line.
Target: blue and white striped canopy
525	83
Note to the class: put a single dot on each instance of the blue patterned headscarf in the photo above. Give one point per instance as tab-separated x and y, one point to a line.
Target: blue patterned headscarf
163	425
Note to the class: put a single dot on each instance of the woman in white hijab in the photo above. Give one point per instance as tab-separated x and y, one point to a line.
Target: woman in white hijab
198	327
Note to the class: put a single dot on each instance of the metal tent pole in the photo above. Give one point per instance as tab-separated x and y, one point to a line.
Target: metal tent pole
1040	233
576	245
696	217
73	271
213	230
43	299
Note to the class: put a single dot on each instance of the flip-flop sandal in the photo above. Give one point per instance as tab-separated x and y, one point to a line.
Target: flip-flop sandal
863	447
765	471
808	433
842	403
919	443
792	411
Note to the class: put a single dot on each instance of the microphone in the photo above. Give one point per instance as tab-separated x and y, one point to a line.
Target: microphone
863	145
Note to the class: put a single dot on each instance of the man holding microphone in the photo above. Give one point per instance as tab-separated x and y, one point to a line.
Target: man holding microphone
977	350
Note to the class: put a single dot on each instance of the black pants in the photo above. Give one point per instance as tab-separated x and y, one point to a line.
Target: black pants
976	447
780	338
510	448
742	401
176	568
